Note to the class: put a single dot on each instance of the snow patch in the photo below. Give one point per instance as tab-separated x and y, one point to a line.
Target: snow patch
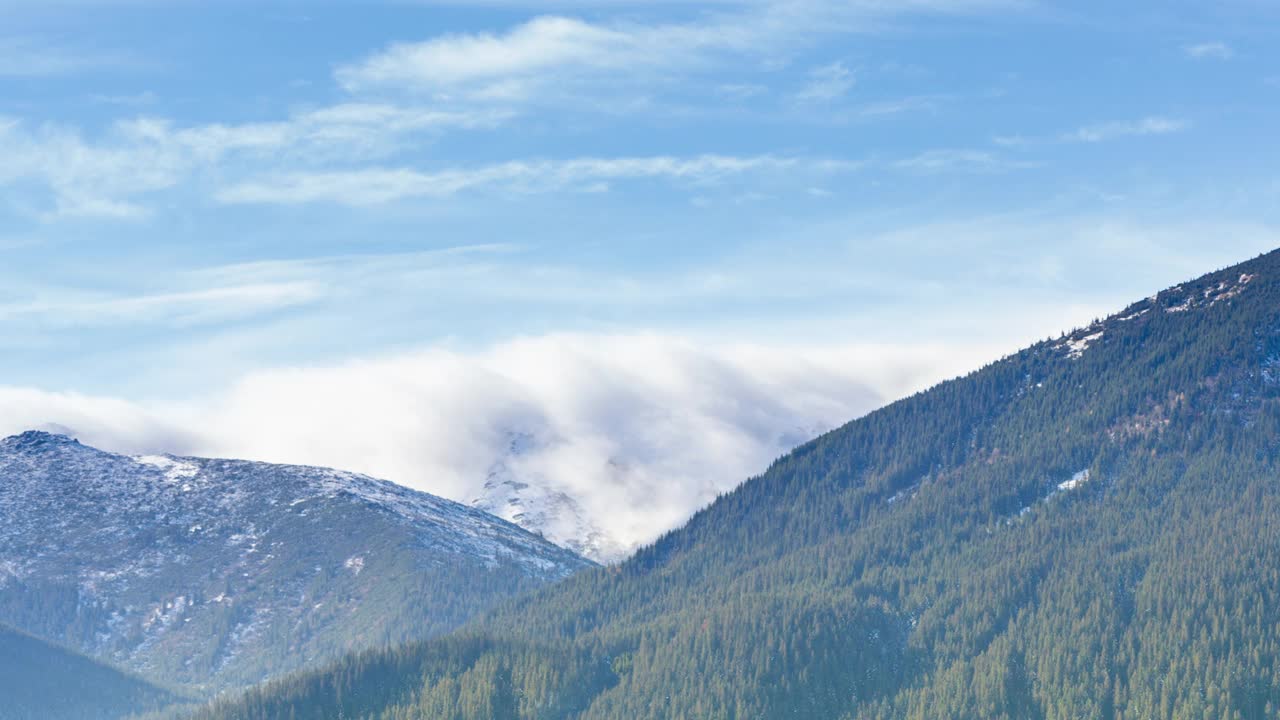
173	468
1214	294
1076	347
1076	480
355	564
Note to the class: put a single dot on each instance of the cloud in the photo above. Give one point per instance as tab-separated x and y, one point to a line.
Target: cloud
554	50
827	83
107	175
638	430
381	185
959	160
212	304
110	176
1100	132
1152	125
112	422
34	58
471	81
1209	51
539	45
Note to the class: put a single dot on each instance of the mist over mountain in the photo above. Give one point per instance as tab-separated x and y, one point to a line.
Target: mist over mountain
1086	528
615	440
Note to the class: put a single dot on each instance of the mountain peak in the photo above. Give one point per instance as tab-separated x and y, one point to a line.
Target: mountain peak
190	570
38	438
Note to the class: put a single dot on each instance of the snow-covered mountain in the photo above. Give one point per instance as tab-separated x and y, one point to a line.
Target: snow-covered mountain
218	573
535	502
518	488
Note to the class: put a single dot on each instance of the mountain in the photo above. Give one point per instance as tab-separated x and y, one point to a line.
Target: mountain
1089	528
39	681
213	574
535	503
517	488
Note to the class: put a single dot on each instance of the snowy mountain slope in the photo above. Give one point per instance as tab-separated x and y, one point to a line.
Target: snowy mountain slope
535	502
218	573
521	488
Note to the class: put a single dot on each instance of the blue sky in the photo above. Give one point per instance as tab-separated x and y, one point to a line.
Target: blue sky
195	194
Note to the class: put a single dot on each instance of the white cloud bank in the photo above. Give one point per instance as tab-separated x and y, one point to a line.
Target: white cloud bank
639	430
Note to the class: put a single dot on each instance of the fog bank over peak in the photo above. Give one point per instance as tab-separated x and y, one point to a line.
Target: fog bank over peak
601	442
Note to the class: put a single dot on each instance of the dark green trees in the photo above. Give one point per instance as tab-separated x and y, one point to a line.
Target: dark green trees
39	681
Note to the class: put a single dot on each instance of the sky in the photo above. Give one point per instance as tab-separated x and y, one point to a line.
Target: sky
667	239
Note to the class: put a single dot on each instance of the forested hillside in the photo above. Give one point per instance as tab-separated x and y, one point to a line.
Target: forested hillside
1087	529
39	681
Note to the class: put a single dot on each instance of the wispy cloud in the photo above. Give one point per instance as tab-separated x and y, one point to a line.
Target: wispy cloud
34	57
409	93
170	308
1101	132
107	175
380	185
503	65
1153	125
554	51
827	83
1209	51
960	160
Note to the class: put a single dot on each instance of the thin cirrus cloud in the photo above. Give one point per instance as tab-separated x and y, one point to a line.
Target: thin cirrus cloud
381	185
476	81
105	176
175	308
539	45
109	175
960	160
1209	51
1102	132
555	49
1153	125
29	57
827	83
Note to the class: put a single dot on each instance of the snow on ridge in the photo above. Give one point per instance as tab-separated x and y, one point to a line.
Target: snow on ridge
164	542
1223	291
219	498
1076	346
174	469
477	532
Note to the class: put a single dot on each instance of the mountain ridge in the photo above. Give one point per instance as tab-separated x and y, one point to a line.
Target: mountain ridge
211	574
